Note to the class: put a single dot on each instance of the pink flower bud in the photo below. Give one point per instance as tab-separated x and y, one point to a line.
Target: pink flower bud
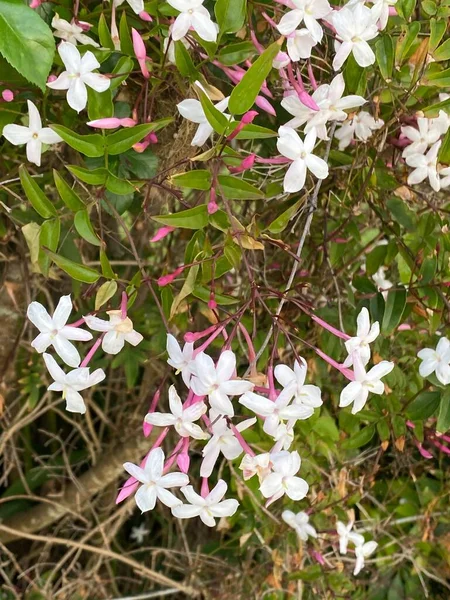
145	16
161	233
141	146
51	78
308	101
318	557
183	461
107	123
247	163
127	122
246	120
281	60
35	3
8	95
84	25
212	304
204	491
212	204
166	279
140	52
265	105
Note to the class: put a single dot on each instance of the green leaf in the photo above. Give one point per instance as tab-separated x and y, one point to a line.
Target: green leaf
383	430
406	8
104	293
106	266
68	196
48	238
94	177
104	33
437	30
31	233
187	288
401	213
443	52
234	188
443	422
384	51
244	94
100	104
405	41
361	438
26	41
84	227
193	218
143	165
230	15
255	132
90	145
203	293
126	43
184	62
444	151
429	7
199	179
215	118
123	68
75	270
233	54
395	305
280	223
124	139
121	187
437	79
35	195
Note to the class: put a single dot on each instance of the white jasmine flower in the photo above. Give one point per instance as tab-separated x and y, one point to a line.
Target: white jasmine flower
33	136
300	44
70	32
346	535
282	480
284	436
355	25
138	534
78	75
222	441
72	383
256	465
360	126
275	411
215	381
329	98
137	6
118	331
293	382
357	391
291	146
154	484
444	175
208	507
55	332
169	46
365	335
181	360
299	522
181	418
425	166
381	282
363	551
381	9
421	138
192	110
193	16
436	361
308	11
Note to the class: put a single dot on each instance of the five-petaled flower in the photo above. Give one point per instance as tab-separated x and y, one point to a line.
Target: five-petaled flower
300	523
355	25
154	484
192	110
33	136
193	16
72	383
436	361
70	32
293	382
308	11
206	508
425	165
78	75
365	335
54	331
181	360
362	551
346	535
283	478
118	330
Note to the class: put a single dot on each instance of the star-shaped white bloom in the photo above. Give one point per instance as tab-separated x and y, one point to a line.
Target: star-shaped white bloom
381	9
55	332
421	138
425	166
365	335
355	25
359	126
300	44
72	383
331	102
283	478
222	441
181	360
118	331
78	75
193	16
357	391
293	382
256	465
300	523
154	484
137	6
381	282
70	32
275	411
346	535
33	136
291	146
192	110
215	381
308	11
284	436
362	551
181	418
436	361
138	534
206	508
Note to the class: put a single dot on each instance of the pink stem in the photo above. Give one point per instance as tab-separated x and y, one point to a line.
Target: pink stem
245	447
91	352
123	305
